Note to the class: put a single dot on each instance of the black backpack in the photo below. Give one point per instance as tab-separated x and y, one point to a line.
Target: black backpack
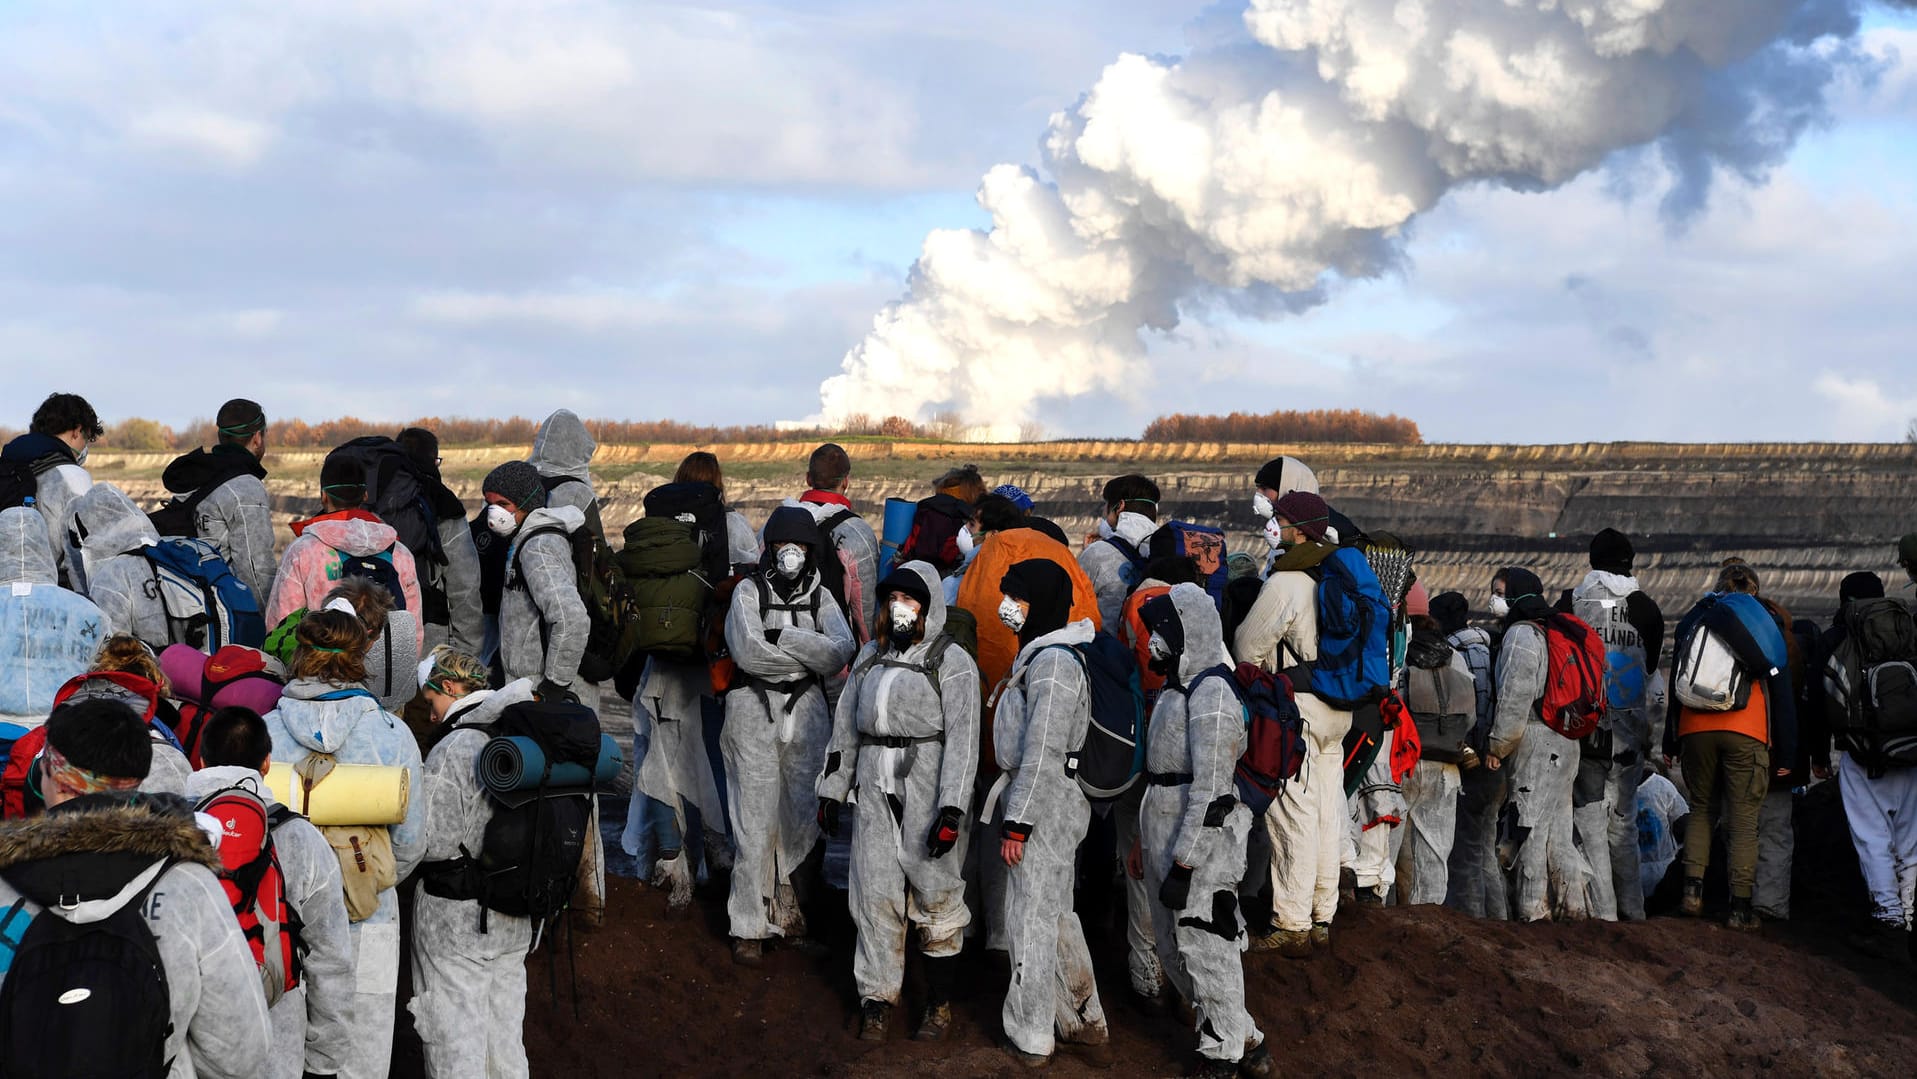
84	1000
528	863
396	490
377	568
19	483
701	502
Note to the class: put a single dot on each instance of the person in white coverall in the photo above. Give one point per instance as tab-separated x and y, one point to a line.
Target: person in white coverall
905	750
1307	822
788	637
1193	829
1043	713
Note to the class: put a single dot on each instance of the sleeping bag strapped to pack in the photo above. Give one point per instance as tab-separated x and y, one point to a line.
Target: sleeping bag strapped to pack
1113	755
1204	545
1354	626
206	605
528	863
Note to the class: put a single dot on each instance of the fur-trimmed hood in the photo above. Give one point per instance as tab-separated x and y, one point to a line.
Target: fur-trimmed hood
87	858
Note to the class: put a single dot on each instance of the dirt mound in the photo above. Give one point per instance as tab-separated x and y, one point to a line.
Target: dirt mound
1419	991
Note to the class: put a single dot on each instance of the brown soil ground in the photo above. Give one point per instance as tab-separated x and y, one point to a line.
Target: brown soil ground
1404	991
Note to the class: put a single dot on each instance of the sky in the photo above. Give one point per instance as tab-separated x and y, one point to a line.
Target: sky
395	208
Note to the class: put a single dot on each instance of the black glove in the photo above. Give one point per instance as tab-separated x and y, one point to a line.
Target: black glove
945	832
1176	891
829	815
772	635
549	692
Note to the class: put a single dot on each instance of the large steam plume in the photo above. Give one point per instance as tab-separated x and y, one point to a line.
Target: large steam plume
1255	167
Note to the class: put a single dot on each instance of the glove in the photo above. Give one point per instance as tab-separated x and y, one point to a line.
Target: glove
549	691
1176	891
945	832
772	635
829	815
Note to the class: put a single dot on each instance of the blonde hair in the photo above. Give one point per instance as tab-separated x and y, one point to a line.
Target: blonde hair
452	668
129	655
331	647
370	600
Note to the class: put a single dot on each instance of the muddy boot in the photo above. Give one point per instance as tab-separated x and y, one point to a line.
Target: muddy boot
1096	1051
1693	904
1320	936
1743	918
1033	1061
1292	943
748	953
936	1019
872	1016
1257	1064
1347	886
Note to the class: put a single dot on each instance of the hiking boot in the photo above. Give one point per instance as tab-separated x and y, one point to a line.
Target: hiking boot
1693	905
1742	918
1320	937
872	1016
1096	1054
1033	1061
1291	943
1257	1063
748	953
1347	885
933	1023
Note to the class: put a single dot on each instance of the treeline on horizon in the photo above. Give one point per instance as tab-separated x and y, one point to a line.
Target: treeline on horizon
138	434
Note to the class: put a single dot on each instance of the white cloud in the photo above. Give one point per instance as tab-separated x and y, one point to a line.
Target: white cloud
227	140
1866	409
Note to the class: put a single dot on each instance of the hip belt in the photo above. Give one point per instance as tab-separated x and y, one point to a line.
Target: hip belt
891	741
1168	779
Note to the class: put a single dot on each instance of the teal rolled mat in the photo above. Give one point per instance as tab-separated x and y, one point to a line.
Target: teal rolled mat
516	763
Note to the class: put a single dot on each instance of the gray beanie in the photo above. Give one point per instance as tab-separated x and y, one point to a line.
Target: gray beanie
518	482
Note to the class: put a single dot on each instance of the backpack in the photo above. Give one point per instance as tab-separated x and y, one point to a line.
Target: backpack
608	596
934	537
699	506
1444	708
1708	677
20	780
1574	693
19	483
1354	626
367	865
840	575
396	490
528	862
962	626
1113	754
1878	662
255	885
1132	570
83	998
1205	546
377	568
177	516
662	564
1133	631
225	667
1275	746
206	605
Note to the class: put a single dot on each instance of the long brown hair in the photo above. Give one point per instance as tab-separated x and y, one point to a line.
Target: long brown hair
331	648
701	467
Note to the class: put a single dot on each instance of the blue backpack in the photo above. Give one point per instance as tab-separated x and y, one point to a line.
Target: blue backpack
1354	633
206	605
1133	569
1207	549
1113	756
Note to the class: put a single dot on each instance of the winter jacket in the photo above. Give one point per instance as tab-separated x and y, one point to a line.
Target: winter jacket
89	846
1044	711
853	536
887	699
61	480
1523	671
542	619
48	634
1111	572
113	532
310	568
310	871
1198	728
235	515
355	730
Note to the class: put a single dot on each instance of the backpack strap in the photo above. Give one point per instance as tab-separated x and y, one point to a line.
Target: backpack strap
348	691
519	548
832	523
934	659
1130	552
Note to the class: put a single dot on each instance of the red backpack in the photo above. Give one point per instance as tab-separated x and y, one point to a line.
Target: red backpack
1574	696
1275	746
255	886
19	788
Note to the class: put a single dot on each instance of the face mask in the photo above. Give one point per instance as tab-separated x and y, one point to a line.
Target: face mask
1158	648
1105	529
1499	608
81	457
500	520
904	618
1009	614
965	542
791	560
1273	530
1261	505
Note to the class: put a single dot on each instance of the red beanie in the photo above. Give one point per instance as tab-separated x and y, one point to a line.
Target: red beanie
1304	511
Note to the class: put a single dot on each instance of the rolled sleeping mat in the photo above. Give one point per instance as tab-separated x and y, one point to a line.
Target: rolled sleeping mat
349	794
516	763
899	514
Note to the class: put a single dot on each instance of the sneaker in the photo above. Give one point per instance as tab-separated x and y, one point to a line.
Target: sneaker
1320	936
872	1016
1257	1063
933	1023
748	953
1693	905
1743	918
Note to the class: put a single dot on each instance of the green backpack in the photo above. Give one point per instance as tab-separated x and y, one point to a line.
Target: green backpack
669	594
962	627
